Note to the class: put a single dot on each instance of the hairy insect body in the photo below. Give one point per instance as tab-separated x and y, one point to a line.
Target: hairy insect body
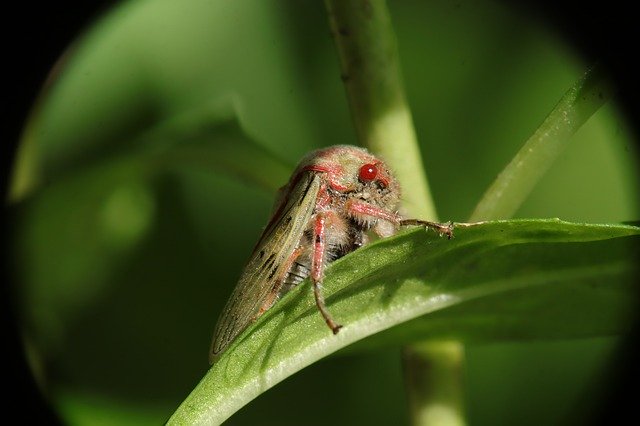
339	242
334	197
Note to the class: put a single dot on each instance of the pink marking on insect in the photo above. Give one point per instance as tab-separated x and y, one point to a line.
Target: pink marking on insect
332	173
317	270
318	249
323	199
357	208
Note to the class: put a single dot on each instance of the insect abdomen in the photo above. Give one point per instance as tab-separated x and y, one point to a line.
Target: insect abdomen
299	271
301	268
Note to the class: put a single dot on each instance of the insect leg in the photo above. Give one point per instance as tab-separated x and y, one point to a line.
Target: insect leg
359	208
441	228
317	270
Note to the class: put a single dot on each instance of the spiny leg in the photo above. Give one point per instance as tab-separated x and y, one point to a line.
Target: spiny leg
317	270
440	228
360	208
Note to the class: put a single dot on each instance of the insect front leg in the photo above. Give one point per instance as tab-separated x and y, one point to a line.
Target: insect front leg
362	210
317	269
365	212
440	228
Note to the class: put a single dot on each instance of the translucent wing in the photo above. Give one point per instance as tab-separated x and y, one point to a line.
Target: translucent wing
266	268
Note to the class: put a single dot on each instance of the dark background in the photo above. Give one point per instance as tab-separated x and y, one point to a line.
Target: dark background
33	38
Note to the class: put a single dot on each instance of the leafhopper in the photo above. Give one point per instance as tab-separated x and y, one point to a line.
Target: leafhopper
334	197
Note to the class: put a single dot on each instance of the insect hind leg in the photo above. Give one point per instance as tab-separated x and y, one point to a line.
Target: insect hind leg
317	270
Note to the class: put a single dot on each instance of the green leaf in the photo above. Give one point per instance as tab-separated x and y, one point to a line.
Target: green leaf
117	199
521	279
210	137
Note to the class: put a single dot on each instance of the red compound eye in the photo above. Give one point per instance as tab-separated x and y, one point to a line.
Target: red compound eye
368	172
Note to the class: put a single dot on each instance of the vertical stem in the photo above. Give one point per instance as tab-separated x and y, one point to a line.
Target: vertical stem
370	68
433	377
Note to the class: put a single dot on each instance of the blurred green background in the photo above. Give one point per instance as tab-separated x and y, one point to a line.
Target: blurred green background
124	263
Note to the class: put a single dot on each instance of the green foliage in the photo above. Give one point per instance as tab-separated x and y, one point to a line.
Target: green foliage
522	280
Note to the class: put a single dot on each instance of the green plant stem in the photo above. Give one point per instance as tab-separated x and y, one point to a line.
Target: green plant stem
434	382
514	184
370	68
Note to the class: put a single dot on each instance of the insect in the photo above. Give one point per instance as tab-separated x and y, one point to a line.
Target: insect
333	198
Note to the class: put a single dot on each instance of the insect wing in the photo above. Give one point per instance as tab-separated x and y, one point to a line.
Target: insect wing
265	270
